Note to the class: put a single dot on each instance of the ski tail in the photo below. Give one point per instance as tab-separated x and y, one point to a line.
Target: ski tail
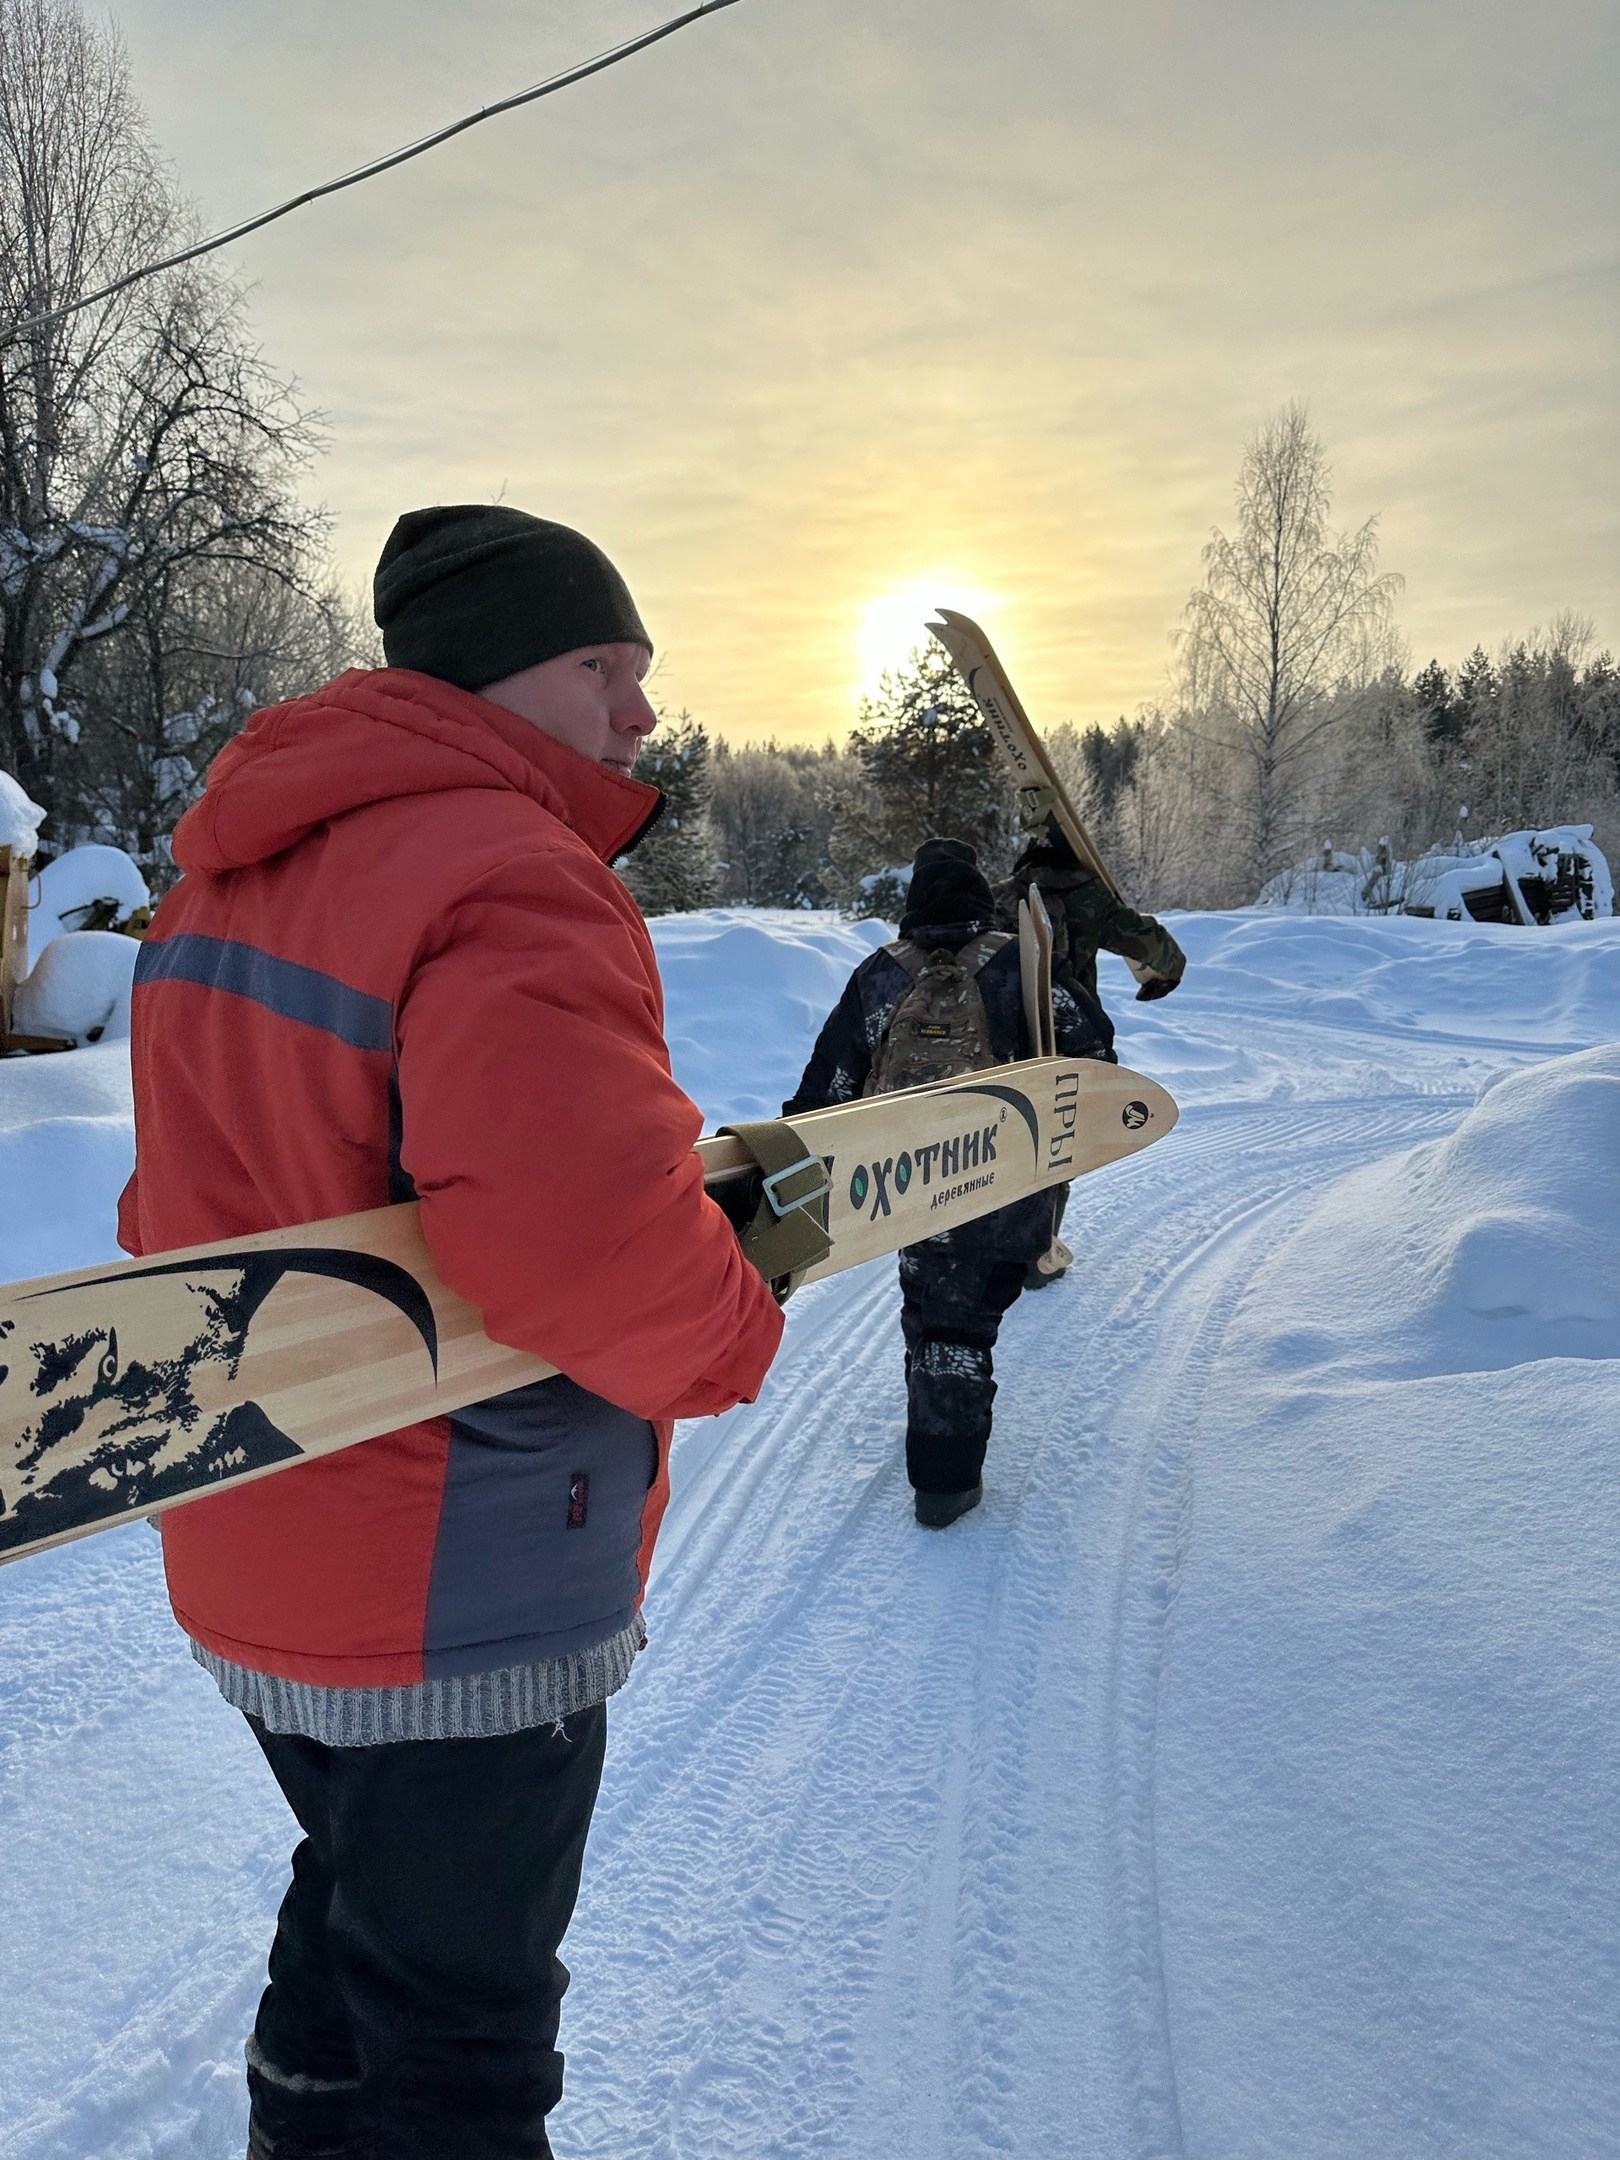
976	662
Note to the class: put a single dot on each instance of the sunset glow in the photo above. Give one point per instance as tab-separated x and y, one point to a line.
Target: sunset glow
763	321
895	624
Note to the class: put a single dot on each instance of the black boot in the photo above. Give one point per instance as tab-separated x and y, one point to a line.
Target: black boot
938	1510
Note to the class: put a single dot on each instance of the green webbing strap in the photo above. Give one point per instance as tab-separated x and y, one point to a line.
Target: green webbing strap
788	1234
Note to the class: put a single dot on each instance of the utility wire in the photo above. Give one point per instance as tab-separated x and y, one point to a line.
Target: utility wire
13	331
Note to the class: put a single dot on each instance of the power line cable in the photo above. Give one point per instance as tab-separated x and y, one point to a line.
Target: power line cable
610	58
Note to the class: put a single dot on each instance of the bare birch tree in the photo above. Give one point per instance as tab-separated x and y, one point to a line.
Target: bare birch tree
1289	615
140	439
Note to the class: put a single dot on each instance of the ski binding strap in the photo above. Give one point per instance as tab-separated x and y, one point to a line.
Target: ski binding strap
788	1234
820	1182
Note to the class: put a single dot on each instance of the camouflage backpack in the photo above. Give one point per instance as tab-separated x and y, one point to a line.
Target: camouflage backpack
939	1028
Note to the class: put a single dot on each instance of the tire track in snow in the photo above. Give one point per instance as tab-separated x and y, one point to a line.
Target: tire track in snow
874	1865
1119	1505
826	1856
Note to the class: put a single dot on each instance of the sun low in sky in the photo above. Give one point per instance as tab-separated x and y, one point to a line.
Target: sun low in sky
807	297
892	626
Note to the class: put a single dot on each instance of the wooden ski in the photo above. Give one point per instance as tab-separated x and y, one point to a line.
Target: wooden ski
129	1388
976	662
1035	972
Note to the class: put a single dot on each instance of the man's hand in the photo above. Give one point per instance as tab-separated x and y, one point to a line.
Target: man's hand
1157	986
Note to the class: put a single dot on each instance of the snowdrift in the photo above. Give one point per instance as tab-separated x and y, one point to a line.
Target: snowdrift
78	989
1279	1007
67	1146
1239	1781
746	990
1482	1250
1387	1743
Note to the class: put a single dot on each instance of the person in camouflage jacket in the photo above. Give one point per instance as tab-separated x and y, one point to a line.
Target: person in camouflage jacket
1088	918
956	1287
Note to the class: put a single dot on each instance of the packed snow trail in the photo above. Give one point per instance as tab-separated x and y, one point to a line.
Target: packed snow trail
888	1798
1237	1783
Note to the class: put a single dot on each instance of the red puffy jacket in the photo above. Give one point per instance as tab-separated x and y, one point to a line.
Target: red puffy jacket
398	964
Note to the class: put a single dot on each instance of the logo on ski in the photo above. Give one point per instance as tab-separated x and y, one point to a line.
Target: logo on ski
942	1160
1065	1117
1134	1116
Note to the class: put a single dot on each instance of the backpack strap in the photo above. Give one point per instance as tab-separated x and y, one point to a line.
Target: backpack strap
911	957
984	947
971	956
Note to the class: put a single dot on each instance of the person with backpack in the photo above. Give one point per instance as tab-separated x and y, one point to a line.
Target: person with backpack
399	966
946	998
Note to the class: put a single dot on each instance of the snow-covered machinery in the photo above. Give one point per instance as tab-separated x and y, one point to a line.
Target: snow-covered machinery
1556	875
57	989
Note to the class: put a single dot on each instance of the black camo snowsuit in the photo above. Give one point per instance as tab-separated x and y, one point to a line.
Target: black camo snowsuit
954	1287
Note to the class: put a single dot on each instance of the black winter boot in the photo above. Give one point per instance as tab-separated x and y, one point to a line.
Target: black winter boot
938	1510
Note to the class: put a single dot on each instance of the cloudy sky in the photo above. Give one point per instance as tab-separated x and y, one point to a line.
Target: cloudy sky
824	308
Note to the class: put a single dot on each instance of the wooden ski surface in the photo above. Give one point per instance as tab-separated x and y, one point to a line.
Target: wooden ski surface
1035	972
128	1388
976	662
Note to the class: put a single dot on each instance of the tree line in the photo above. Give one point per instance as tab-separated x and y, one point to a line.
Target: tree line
1293	722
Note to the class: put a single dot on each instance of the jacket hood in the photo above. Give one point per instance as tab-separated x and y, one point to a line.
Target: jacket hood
375	734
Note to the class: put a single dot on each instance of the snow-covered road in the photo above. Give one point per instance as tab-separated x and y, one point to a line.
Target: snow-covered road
1237	1783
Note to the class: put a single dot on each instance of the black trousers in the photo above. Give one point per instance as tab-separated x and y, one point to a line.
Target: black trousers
415	1987
954	1291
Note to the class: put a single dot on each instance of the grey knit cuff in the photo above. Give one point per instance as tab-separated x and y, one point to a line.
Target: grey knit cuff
468	1706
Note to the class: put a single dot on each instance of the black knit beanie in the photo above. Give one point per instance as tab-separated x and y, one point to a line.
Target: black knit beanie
947	889
474	592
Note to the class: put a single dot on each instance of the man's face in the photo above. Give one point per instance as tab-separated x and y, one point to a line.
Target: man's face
591	699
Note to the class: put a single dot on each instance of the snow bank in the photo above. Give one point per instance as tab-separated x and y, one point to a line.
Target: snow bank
746	991
67	1145
1278	1006
20	818
1492	1247
1388	1750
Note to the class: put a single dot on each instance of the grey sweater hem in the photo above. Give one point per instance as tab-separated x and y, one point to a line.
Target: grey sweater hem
468	1706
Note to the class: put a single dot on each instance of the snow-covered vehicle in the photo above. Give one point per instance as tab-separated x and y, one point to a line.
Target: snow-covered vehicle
1556	875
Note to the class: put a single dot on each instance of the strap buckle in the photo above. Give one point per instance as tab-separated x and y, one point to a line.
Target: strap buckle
818	1170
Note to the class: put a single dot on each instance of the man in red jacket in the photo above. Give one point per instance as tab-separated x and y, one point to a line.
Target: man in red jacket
398	966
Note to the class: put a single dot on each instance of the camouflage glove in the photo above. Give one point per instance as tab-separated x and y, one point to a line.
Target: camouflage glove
1157	986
